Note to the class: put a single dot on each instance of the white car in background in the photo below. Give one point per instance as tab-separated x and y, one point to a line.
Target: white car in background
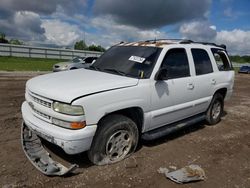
75	63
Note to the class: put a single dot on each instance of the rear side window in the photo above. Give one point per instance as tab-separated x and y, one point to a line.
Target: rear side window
176	63
202	62
221	59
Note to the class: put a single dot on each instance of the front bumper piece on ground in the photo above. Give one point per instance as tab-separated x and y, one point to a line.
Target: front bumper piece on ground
39	157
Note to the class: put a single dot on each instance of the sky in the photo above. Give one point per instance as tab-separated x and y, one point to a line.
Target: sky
108	22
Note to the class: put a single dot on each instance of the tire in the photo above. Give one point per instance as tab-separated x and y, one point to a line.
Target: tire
116	138
215	110
73	68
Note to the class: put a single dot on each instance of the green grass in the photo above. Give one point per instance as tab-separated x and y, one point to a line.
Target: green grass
32	64
27	64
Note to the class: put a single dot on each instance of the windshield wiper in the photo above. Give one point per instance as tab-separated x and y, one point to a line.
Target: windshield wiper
116	71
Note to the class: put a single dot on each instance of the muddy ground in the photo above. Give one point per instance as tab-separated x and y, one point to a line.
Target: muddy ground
223	151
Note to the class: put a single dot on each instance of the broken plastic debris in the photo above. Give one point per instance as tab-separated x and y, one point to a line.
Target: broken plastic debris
162	170
187	174
173	167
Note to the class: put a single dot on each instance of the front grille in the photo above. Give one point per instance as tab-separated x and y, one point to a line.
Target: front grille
40	101
41	114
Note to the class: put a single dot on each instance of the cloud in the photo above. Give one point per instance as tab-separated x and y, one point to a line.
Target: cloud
24	25
198	31
61	33
237	41
147	14
44	7
23	19
109	32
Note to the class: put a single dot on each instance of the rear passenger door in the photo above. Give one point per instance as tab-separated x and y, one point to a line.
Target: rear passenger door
204	80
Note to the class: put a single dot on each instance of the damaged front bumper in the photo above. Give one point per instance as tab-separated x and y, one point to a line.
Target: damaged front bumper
39	157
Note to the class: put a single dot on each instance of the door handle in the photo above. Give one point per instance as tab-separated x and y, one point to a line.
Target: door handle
190	86
213	81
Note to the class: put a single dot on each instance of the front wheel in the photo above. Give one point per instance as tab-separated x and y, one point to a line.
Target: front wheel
215	110
116	138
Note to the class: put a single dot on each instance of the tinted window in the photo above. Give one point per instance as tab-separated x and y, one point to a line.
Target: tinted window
176	63
89	59
202	62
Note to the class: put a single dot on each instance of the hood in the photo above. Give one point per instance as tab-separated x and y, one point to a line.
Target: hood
66	86
64	63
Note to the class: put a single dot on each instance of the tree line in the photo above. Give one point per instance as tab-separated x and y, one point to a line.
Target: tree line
240	59
80	45
11	41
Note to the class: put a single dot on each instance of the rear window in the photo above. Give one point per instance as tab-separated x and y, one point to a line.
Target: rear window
221	59
202	62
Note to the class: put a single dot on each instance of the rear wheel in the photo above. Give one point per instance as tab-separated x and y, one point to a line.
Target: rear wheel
215	110
116	138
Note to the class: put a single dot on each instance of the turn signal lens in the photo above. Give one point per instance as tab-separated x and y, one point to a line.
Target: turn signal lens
69	125
78	125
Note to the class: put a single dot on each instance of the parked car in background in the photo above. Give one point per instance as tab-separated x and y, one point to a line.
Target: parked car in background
244	69
75	63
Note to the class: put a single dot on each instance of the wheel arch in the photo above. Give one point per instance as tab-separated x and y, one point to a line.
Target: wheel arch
134	113
222	91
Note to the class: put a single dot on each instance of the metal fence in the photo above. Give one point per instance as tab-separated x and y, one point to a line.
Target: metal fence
42	52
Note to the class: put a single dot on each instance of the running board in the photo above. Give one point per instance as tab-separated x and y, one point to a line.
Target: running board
39	157
168	129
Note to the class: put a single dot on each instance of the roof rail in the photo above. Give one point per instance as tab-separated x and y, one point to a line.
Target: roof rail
213	44
187	41
155	40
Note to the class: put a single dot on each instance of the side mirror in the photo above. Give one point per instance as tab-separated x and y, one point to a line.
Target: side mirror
161	74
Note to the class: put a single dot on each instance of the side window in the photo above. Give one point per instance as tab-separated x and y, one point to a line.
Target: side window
221	60
202	62
88	60
176	63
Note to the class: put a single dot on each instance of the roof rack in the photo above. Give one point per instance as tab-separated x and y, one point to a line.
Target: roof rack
204	43
186	41
156	40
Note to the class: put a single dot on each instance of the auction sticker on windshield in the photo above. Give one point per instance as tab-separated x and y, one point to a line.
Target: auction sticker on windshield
137	59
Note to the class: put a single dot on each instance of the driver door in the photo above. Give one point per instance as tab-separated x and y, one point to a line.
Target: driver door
172	96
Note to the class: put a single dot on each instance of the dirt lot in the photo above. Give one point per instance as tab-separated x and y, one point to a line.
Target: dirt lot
223	151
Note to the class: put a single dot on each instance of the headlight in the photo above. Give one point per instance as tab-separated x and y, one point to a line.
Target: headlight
68	109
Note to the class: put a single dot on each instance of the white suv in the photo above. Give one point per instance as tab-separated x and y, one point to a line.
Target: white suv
134	90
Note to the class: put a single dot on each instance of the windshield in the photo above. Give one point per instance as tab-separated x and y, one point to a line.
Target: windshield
132	61
76	60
